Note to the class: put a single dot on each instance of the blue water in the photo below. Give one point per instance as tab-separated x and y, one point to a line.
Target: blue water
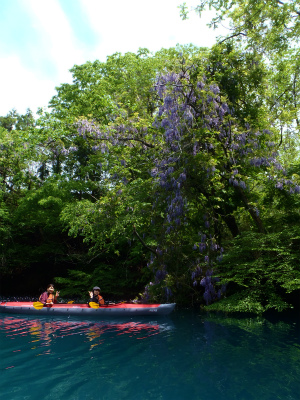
189	355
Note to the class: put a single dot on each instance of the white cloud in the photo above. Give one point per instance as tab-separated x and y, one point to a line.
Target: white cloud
26	82
118	26
59	45
24	89
127	25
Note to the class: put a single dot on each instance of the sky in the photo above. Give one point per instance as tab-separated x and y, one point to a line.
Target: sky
40	40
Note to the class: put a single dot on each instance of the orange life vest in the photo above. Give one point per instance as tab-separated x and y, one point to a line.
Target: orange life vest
101	300
50	298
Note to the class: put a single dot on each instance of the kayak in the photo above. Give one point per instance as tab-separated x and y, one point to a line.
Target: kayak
122	309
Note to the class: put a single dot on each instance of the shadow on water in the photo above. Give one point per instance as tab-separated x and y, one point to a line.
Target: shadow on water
186	355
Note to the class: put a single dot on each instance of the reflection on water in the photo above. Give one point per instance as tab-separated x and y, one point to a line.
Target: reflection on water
188	355
43	331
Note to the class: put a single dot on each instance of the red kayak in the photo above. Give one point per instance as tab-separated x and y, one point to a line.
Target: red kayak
122	309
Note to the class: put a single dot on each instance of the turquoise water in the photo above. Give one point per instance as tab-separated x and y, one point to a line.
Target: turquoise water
189	355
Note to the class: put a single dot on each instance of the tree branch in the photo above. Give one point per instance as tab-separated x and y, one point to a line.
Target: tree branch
232	36
253	213
135	140
143	243
282	3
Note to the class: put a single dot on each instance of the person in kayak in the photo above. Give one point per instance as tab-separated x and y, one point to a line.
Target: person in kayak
48	297
95	296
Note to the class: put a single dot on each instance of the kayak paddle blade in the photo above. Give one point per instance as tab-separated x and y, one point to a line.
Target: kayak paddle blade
93	305
38	305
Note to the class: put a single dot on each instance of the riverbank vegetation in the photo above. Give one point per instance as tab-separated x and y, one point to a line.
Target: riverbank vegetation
171	176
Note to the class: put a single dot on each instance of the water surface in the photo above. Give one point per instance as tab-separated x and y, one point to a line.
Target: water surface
188	355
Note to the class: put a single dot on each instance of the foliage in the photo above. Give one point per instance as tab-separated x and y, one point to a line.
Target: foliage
261	269
15	121
198	138
269	25
270	31
165	170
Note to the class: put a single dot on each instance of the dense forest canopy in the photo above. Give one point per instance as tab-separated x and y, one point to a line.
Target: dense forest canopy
171	176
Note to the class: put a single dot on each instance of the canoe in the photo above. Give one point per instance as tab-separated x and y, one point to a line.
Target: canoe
122	309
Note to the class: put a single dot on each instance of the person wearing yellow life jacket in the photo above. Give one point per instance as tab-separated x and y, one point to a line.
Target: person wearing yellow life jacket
95	296
48	297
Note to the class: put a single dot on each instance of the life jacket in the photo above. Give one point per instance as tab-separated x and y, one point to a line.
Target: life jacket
101	300
50	298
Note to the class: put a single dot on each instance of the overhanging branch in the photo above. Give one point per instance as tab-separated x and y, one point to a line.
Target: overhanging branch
143	243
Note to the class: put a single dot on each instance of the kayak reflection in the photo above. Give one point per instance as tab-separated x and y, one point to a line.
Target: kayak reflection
43	331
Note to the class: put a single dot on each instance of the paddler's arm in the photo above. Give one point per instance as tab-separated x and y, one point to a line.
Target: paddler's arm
56	296
43	298
101	301
92	298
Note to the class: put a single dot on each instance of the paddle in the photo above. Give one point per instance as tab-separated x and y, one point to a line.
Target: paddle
38	305
92	304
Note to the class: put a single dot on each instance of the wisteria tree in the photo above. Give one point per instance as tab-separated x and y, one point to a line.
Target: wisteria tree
210	164
206	165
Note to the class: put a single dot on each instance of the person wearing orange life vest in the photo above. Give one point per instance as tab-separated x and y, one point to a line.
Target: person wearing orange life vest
95	296
48	297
